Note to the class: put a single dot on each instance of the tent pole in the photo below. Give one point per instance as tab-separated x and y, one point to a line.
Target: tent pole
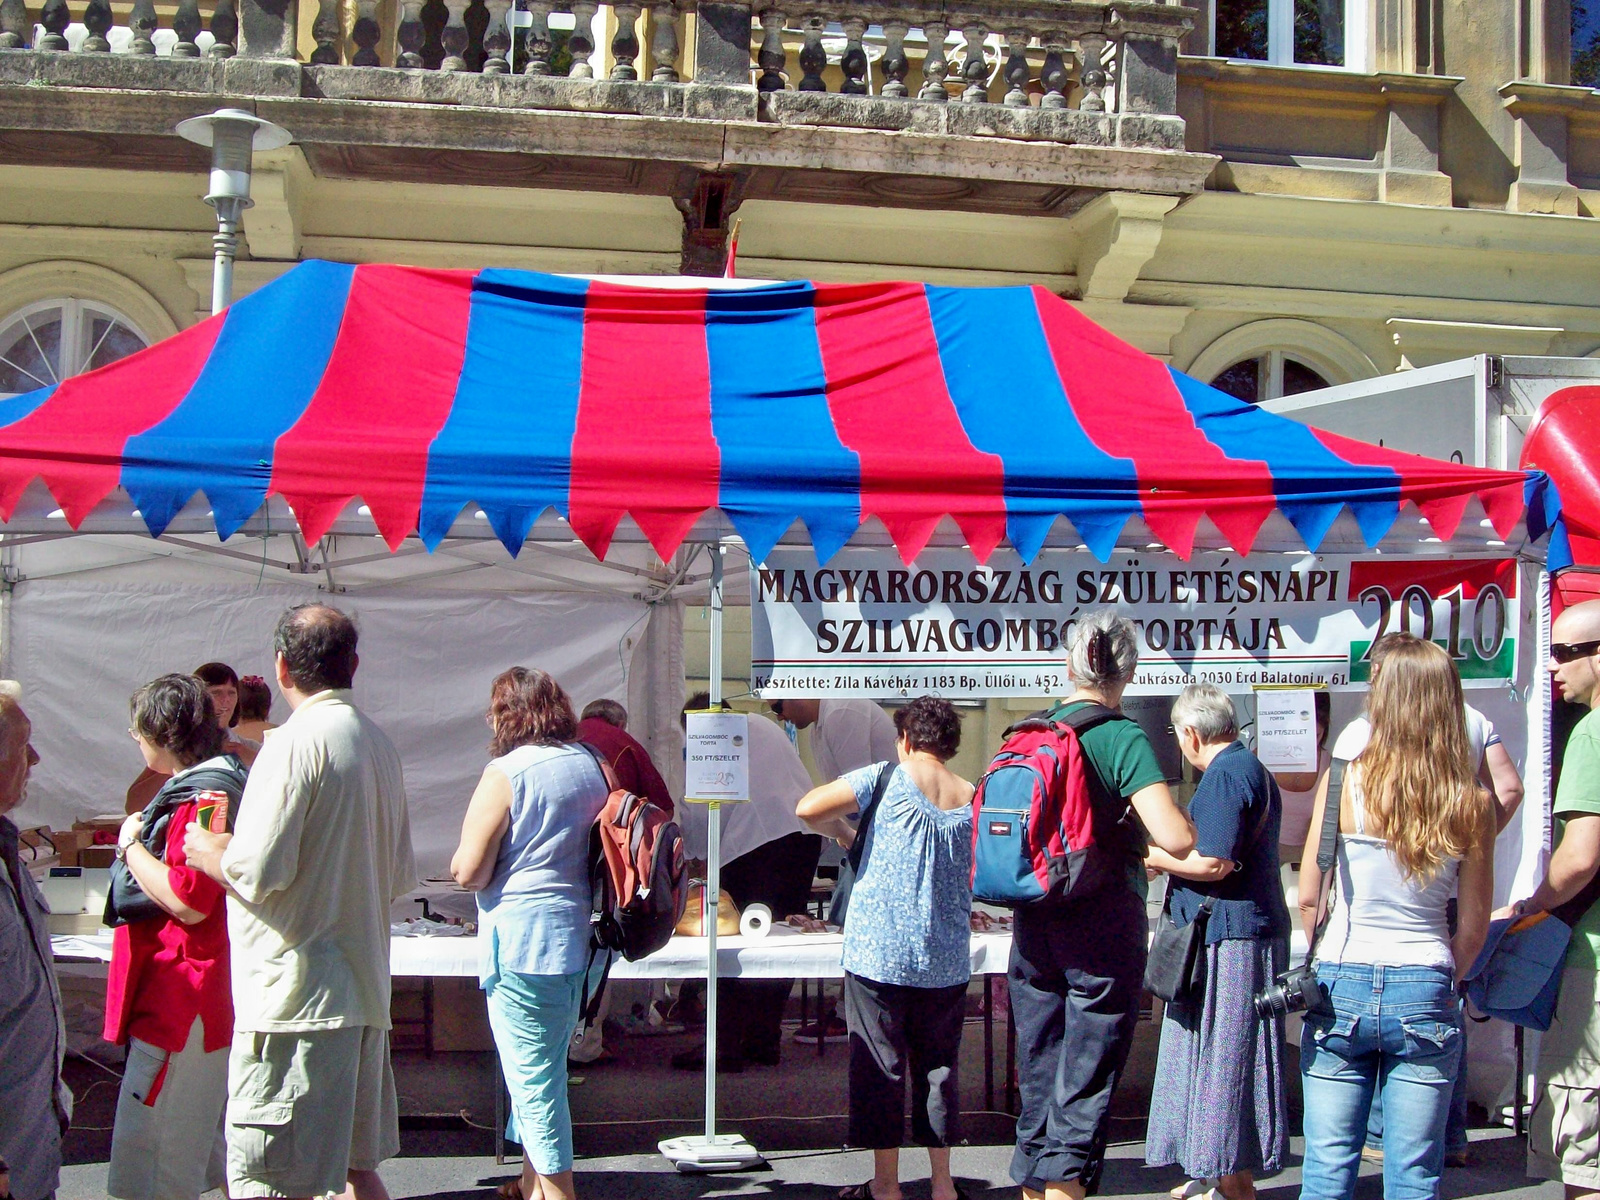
712	1151
713	895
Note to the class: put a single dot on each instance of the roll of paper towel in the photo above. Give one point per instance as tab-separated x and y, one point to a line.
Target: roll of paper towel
755	921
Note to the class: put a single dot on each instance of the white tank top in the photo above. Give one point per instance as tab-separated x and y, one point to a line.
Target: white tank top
1380	917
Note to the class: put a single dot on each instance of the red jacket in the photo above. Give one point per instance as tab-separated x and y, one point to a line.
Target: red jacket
628	758
164	973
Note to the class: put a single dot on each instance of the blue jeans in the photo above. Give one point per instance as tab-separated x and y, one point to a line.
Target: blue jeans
1455	1130
1394	1031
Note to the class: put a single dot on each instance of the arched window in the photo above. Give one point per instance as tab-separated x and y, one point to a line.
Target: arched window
1268	377
53	340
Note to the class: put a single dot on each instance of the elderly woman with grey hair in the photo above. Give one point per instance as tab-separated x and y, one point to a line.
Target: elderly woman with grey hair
1077	965
1222	1112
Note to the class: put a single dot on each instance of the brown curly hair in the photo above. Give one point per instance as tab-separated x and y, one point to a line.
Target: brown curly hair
528	708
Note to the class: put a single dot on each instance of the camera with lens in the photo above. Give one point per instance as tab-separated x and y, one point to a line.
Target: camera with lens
1295	990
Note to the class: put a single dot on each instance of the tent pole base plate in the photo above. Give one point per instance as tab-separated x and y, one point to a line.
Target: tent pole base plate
721	1152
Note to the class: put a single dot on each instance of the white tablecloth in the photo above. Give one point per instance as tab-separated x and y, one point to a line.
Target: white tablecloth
779	955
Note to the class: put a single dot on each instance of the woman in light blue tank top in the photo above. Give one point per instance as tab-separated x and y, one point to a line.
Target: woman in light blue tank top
524	850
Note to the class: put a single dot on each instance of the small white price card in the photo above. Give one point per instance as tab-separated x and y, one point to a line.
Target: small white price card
1286	729
718	763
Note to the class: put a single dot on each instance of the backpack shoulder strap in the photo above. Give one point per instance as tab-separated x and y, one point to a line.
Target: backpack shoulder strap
1089	716
858	847
606	773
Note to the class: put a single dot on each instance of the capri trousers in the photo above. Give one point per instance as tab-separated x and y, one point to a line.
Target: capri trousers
893	1028
533	1018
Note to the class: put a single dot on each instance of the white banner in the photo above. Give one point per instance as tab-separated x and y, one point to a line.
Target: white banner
867	625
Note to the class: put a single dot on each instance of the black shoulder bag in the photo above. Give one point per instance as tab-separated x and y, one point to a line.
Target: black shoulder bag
126	901
1176	968
852	857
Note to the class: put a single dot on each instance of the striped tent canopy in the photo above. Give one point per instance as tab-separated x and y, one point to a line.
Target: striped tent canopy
422	392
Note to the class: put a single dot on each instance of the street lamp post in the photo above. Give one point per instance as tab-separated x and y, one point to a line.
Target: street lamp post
233	135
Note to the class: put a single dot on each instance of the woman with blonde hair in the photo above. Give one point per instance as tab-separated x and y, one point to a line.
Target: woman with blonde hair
1414	828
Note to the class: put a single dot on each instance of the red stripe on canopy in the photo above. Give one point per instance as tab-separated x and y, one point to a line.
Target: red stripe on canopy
891	405
1436	487
74	440
385	394
1130	407
645	398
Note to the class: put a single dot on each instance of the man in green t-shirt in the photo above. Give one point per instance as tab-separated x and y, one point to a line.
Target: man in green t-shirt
1566	1118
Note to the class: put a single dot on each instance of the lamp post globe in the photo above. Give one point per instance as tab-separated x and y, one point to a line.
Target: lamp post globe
233	136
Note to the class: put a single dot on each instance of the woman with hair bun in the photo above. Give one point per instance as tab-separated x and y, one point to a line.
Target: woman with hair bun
906	941
1077	965
525	851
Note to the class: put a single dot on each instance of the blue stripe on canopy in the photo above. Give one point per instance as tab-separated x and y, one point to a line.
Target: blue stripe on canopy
781	455
263	370
1310	481
998	368
507	444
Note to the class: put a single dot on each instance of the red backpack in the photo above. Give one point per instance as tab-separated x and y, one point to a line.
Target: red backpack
637	879
1036	838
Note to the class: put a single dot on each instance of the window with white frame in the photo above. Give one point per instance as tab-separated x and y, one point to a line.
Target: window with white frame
1268	377
1324	33
56	339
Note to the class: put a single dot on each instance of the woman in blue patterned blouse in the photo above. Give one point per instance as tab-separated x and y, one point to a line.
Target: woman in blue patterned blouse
907	955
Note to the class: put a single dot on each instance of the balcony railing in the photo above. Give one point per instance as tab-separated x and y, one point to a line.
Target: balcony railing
1117	57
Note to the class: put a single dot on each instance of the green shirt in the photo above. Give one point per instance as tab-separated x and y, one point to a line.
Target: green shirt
1124	762
1578	793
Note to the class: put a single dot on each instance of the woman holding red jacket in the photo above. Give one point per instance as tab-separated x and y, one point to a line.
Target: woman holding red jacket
168	996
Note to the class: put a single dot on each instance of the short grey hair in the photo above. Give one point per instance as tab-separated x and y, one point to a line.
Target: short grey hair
1123	640
1208	710
608	711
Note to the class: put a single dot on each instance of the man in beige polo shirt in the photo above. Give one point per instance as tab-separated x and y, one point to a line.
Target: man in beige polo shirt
321	849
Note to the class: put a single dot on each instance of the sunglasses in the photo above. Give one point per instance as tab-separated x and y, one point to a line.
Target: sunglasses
1565	652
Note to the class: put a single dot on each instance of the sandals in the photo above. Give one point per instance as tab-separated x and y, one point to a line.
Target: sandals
511	1189
1193	1189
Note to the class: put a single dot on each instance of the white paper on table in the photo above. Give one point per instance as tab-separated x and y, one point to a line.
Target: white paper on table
717	757
1286	729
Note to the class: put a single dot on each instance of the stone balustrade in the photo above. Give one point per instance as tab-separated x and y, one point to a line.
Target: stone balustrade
1118	57
191	30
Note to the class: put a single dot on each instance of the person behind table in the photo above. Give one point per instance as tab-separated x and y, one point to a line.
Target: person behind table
525	851
603	724
222	681
168	992
321	849
255	709
768	857
35	1103
1561	1138
1299	792
1077	966
1414	828
906	955
1220	1108
1498	774
846	735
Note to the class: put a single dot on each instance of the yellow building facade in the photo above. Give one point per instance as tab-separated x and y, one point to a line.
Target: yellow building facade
1267	223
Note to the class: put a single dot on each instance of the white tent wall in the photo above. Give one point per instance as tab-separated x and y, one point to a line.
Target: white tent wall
79	647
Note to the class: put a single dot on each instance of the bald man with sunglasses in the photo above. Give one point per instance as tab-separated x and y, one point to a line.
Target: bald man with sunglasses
1566	1119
